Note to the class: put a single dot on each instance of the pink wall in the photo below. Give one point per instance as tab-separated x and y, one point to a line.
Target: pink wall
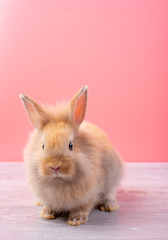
119	48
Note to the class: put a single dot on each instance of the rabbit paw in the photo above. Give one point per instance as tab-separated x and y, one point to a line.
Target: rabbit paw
47	213
76	219
109	205
108	208
38	203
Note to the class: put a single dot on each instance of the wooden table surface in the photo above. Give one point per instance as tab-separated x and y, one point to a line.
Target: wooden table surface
143	213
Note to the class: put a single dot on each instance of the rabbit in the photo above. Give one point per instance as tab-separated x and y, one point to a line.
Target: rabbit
70	163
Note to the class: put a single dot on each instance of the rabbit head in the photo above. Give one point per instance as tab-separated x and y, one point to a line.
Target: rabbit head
57	129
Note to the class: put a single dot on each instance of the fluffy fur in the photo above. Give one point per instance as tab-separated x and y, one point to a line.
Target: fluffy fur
70	180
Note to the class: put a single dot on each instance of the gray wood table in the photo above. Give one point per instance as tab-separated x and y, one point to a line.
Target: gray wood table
143	213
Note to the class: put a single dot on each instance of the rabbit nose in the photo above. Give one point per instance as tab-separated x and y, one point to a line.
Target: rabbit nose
55	169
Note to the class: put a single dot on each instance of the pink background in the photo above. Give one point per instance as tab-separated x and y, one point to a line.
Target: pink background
50	49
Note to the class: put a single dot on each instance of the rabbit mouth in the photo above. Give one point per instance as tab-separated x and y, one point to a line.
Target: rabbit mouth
56	171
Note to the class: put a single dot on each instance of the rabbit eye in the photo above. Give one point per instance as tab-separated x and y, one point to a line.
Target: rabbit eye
43	146
70	146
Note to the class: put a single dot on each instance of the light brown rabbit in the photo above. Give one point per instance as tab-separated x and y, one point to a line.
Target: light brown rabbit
71	164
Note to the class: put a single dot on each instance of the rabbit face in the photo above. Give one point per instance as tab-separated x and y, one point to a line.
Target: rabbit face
57	147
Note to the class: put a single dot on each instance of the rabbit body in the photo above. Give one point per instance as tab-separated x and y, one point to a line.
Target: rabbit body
71	166
98	171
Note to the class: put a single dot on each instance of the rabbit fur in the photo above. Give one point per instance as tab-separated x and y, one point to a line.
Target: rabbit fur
70	163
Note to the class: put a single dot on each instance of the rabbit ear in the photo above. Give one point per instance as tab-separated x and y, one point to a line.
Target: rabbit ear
78	105
35	112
